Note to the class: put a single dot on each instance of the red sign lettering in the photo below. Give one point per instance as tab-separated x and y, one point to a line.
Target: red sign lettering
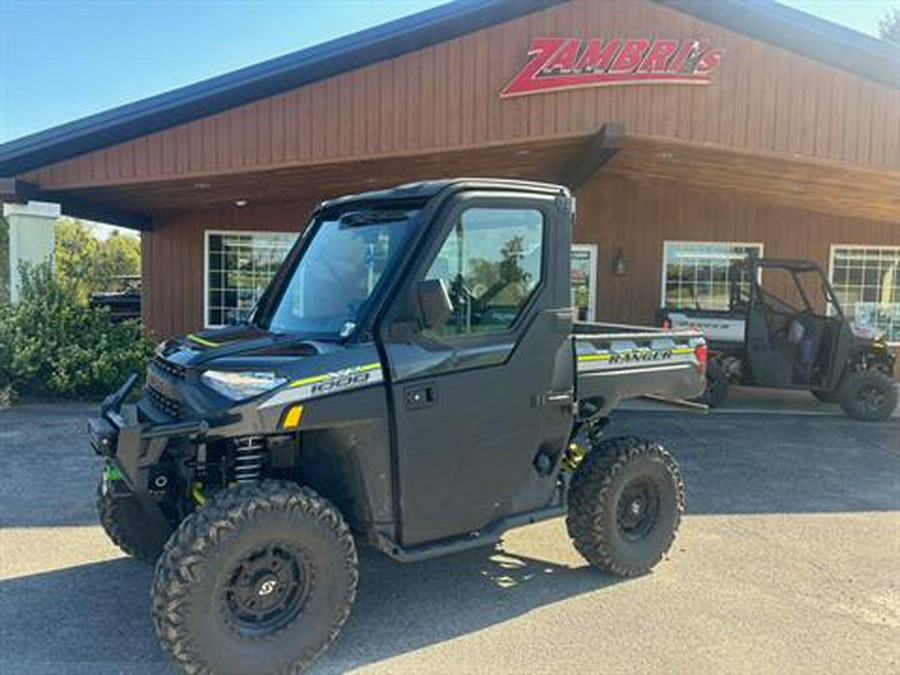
556	63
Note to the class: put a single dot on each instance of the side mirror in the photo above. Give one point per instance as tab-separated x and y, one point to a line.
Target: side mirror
434	303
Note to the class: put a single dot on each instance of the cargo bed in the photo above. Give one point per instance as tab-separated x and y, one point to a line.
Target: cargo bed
617	361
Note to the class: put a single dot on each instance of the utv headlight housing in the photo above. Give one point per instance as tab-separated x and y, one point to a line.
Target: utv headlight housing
239	384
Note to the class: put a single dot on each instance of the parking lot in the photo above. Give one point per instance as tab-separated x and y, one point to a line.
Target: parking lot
787	561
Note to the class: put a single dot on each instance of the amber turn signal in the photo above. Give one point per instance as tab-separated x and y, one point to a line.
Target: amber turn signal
292	417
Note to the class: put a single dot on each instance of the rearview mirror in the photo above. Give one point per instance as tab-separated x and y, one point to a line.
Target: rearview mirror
434	303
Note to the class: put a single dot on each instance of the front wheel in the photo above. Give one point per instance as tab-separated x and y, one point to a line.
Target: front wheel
868	395
125	523
625	505
258	580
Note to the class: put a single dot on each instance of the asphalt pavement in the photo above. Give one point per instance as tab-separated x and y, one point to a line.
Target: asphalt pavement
788	561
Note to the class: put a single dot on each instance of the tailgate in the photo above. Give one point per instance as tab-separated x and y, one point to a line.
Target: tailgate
616	366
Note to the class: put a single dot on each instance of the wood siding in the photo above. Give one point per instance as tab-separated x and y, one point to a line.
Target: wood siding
635	214
173	265
762	99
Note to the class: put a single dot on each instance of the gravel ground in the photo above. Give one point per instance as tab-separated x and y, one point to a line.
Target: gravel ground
786	562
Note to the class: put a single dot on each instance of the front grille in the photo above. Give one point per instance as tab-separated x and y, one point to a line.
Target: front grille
162	402
169	367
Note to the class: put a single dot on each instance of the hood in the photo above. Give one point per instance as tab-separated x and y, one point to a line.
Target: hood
236	346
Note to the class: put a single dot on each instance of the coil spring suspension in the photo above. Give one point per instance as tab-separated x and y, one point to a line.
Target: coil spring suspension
248	458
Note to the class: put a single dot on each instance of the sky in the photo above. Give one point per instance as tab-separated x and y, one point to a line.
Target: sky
63	59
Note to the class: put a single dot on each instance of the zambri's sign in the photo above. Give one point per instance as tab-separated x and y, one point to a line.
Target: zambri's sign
556	63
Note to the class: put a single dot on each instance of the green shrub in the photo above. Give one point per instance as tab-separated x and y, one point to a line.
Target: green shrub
52	344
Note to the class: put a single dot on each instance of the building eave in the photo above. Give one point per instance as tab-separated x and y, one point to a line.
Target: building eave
804	34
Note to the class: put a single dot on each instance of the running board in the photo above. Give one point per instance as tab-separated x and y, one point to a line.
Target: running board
489	535
690	405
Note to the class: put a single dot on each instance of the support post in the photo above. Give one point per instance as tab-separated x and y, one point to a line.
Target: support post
601	148
31	237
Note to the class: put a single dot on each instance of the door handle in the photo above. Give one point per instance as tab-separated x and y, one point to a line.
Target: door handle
554	398
420	396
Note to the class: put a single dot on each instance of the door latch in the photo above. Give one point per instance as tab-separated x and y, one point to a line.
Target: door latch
420	396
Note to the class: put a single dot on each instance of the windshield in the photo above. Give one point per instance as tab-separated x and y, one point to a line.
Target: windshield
340	270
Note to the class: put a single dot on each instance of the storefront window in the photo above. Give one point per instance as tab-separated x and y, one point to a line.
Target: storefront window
698	275
866	280
239	266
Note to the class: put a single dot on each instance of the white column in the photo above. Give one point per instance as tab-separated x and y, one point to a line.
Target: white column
30	237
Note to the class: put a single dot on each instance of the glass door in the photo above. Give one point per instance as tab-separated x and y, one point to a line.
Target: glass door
584	281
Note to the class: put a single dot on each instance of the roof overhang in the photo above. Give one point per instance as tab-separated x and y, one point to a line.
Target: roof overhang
13	190
568	160
784	180
852	192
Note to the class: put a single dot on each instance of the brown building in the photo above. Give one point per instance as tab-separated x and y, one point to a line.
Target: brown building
732	126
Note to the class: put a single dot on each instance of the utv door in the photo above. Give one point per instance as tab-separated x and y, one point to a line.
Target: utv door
793	333
478	399
768	354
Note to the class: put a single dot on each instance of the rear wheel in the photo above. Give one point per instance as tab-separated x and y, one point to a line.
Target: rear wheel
125	524
625	505
258	580
868	395
716	385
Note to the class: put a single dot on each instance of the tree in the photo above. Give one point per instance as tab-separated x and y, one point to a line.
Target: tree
88	265
889	26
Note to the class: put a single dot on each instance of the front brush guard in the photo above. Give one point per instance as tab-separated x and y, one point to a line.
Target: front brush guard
132	446
131	449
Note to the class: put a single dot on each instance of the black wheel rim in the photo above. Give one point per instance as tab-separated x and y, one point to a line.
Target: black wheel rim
870	399
638	509
267	589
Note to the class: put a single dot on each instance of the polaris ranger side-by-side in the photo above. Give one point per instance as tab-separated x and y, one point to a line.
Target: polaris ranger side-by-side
413	380
791	333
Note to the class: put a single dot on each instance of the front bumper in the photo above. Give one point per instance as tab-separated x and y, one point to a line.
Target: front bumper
131	445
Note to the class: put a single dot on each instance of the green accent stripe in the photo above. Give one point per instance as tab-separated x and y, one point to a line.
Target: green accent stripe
203	341
320	378
309	380
606	357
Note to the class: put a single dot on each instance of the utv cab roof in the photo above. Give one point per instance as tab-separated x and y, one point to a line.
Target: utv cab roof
425	190
784	263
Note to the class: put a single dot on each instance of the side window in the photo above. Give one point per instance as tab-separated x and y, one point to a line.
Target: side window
491	264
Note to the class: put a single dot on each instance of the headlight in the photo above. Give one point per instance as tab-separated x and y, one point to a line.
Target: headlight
238	385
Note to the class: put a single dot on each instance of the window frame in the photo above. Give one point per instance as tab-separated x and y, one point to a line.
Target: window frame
494	203
244	233
670	242
832	249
